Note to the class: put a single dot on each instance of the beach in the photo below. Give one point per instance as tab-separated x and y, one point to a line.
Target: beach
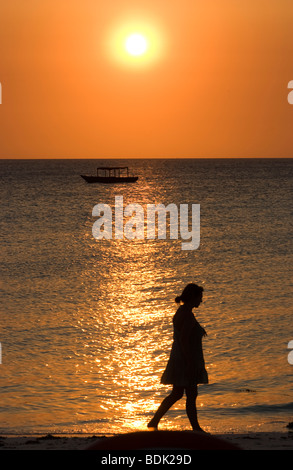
248	441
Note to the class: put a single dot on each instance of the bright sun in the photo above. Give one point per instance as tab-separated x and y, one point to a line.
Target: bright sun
136	44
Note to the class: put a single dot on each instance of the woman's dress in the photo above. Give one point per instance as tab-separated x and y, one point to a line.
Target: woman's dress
187	340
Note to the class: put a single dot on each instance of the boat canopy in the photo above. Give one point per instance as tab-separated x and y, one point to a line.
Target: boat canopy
112	167
115	169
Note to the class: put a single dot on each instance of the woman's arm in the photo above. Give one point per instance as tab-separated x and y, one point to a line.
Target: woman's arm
190	341
185	339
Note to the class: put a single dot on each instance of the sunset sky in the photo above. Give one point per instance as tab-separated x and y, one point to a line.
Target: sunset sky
212	82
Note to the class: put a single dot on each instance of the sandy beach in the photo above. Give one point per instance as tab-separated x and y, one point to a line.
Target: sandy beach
249	441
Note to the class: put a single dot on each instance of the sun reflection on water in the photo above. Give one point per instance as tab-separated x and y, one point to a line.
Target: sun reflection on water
125	324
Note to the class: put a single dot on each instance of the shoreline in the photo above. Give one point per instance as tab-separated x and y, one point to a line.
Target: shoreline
245	441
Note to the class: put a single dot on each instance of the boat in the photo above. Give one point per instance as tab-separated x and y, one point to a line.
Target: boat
111	174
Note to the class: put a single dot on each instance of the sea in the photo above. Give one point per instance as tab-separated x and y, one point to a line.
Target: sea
86	323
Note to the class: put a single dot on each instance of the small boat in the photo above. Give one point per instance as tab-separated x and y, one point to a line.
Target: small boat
111	174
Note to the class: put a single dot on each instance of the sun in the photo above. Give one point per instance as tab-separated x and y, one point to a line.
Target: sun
136	44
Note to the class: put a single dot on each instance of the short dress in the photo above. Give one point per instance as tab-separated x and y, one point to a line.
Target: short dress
186	329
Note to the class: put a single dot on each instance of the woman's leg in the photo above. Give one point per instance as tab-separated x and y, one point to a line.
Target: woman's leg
191	394
174	396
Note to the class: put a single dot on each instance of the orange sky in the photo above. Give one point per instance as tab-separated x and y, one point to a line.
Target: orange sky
216	85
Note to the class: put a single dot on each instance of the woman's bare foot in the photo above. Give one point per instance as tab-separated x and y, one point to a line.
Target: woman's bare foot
199	429
152	424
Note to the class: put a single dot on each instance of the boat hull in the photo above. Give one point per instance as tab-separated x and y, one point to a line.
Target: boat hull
109	179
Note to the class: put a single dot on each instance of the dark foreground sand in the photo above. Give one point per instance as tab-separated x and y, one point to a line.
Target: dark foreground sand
249	441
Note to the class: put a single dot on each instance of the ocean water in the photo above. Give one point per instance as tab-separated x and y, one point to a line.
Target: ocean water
86	324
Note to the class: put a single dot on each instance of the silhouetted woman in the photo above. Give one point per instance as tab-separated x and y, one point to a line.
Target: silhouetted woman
186	367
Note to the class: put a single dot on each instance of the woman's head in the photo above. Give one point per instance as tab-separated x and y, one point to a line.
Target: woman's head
191	294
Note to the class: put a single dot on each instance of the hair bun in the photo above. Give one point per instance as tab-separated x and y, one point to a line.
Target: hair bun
178	299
